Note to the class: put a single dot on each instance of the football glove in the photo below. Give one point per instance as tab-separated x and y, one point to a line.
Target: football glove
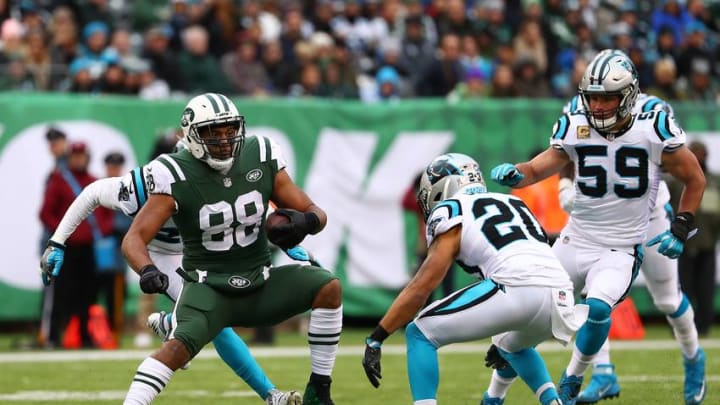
51	262
566	190
152	280
672	241
493	359
506	174
371	361
291	234
298	253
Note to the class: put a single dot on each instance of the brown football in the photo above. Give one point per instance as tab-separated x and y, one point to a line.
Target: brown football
274	220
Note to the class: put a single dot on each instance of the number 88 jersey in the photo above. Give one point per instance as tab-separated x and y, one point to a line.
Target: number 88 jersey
500	239
617	175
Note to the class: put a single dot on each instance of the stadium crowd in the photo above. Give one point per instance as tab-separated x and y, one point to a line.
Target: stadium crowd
354	49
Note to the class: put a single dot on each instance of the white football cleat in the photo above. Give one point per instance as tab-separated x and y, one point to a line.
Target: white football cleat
159	322
277	397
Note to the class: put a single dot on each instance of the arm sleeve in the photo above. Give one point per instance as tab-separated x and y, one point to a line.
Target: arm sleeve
101	192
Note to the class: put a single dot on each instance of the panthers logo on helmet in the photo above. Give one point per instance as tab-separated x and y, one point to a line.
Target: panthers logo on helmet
441	168
187	117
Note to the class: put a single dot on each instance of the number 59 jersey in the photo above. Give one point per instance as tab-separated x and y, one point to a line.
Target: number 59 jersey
617	175
500	239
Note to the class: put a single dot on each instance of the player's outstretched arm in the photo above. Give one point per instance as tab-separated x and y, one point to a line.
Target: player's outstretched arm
544	165
441	253
95	194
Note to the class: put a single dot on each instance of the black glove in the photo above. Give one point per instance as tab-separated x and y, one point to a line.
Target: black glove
289	235
371	361
153	280
494	360
683	226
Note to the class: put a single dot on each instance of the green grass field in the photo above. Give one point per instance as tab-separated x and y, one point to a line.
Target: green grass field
650	373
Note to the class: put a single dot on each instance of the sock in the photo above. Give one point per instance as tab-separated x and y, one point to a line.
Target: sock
590	337
422	365
528	364
150	379
682	322
235	353
323	338
500	382
603	356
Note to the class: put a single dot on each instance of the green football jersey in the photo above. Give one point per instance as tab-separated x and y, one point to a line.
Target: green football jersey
221	217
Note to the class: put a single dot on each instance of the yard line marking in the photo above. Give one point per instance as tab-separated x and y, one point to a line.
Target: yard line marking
38	395
302	351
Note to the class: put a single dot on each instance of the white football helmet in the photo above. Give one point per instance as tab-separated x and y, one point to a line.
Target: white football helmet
611	72
201	115
444	176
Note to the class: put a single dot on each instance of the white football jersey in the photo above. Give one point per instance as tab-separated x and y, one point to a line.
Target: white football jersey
617	177
500	240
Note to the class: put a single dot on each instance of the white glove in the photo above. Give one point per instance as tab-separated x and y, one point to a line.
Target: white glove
567	194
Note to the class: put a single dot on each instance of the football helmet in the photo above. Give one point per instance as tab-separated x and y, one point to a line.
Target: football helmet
201	122
444	176
611	72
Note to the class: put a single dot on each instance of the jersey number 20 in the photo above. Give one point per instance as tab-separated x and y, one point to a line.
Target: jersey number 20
507	215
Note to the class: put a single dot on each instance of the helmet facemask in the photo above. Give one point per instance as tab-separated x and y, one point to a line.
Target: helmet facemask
220	141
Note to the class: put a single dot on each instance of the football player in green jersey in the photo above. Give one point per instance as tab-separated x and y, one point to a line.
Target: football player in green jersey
217	192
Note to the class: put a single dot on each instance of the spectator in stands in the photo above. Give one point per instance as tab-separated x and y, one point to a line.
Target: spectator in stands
75	288
120	44
163	61
529	81
701	86
673	15
444	72
80	79
11	34
455	20
244	70
38	61
666	45
695	49
151	87
335	85
416	51
64	44
639	57
503	83
665	84
697	264
281	73
199	70
112	80
292	33
30	16
310	82
529	43
472	87
388	84
94	54
15	77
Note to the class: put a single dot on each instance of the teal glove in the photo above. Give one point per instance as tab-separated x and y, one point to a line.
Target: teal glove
670	245
298	253
506	174
673	240
51	262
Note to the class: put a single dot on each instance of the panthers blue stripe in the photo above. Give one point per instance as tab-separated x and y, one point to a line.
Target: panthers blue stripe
574	103
684	305
139	187
563	124
453	206
479	290
650	105
662	126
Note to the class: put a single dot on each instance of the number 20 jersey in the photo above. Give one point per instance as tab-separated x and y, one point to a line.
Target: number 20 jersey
500	239
617	177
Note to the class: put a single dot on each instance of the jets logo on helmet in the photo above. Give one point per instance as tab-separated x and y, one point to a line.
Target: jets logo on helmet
213	130
444	176
610	73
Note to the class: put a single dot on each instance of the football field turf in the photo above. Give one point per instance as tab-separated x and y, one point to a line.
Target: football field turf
650	372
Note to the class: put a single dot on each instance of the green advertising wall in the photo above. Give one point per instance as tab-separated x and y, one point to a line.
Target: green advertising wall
365	153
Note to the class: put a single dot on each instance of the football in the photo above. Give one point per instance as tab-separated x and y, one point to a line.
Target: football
274	220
